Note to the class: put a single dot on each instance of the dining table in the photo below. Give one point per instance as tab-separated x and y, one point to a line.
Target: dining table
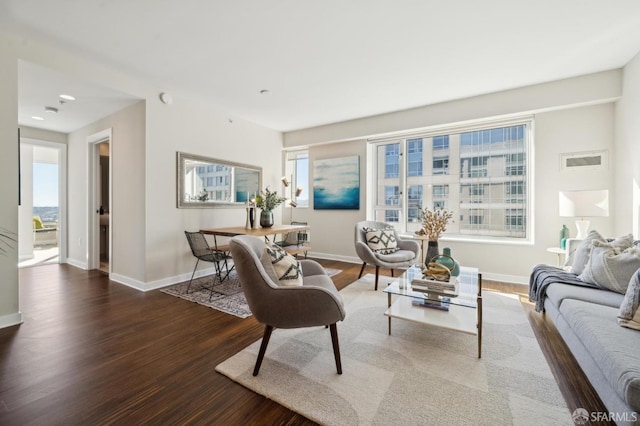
270	232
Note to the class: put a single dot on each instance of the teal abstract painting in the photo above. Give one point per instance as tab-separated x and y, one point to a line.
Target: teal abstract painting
336	183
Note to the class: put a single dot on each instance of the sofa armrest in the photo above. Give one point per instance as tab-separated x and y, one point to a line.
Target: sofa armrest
572	245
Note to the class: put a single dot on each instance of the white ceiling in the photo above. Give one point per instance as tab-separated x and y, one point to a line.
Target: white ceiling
335	60
40	87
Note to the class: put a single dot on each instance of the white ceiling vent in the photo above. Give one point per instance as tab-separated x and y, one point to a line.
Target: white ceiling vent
588	160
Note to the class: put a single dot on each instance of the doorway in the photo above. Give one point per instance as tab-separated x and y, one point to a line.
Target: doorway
41	212
104	210
100	202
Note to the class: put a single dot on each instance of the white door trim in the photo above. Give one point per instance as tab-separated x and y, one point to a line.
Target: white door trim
62	191
93	220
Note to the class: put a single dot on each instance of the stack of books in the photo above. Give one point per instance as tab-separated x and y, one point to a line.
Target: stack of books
426	285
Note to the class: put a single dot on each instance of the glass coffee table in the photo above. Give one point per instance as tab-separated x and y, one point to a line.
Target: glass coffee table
461	312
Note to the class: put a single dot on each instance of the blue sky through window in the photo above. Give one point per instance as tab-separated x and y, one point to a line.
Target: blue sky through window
45	185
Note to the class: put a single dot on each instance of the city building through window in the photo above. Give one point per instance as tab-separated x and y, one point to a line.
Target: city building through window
478	173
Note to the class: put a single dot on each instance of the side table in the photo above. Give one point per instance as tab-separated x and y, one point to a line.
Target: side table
560	252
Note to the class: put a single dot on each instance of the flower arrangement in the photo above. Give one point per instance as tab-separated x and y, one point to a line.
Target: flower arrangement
434	222
268	200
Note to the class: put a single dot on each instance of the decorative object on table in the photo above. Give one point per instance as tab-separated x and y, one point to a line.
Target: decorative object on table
336	183
448	261
583	204
267	201
437	285
251	212
248	223
436	271
434	222
564	234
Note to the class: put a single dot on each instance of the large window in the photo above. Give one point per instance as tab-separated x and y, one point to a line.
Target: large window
481	174
414	159
297	172
392	161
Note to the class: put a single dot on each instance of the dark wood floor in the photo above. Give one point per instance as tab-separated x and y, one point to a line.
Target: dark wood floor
91	351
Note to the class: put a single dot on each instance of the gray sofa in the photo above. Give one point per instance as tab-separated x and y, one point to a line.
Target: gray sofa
585	316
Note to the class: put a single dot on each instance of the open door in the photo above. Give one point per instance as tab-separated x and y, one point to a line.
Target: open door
100	231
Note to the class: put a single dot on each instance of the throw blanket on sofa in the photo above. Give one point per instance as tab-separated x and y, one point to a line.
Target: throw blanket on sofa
543	275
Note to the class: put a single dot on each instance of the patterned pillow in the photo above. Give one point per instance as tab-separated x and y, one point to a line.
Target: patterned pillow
282	267
629	313
579	259
382	241
611	268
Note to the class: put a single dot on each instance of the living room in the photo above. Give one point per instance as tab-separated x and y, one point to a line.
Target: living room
589	112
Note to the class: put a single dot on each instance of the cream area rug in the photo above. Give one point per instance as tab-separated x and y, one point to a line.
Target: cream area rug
419	375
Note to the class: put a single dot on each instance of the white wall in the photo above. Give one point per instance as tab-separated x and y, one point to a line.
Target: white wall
9	310
332	231
561	128
627	155
127	207
195	128
598	87
149	244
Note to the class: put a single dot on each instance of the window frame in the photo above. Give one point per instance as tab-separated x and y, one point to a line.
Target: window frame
523	174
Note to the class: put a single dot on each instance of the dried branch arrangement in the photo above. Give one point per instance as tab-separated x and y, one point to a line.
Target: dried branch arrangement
434	222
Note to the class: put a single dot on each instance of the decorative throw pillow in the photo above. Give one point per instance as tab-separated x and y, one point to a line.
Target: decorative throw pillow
578	260
610	268
381	241
581	255
282	267
629	313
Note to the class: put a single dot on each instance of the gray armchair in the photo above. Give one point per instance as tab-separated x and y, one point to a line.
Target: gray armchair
408	254
315	303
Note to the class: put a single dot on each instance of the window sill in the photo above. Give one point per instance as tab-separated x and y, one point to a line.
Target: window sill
478	240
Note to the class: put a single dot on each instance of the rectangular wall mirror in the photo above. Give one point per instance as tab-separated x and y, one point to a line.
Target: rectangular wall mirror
210	182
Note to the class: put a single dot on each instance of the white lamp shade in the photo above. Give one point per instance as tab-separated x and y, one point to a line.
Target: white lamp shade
584	203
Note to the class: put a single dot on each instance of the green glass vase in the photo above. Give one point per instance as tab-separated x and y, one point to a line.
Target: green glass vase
445	259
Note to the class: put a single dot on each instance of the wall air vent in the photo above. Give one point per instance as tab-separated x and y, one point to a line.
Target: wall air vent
589	160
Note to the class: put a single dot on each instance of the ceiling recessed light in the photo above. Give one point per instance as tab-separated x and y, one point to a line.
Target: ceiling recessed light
265	92
68	97
35	117
51	109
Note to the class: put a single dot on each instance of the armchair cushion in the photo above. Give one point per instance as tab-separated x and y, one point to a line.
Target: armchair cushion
381	241
398	256
281	267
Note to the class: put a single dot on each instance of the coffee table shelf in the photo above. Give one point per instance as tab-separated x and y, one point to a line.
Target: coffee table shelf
464	312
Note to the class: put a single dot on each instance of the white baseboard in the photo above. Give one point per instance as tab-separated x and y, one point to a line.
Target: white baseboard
327	256
10	320
154	285
77	263
514	279
129	282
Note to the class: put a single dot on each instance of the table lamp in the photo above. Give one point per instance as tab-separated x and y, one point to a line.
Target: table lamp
584	204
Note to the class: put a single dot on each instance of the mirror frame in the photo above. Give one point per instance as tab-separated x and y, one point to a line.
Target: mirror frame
181	157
